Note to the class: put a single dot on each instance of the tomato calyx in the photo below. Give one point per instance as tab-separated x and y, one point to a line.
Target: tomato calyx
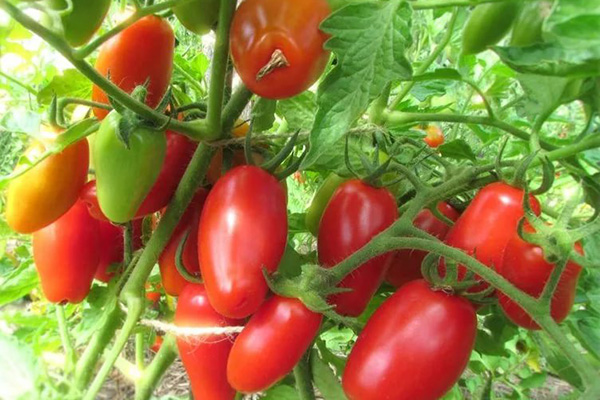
277	60
312	287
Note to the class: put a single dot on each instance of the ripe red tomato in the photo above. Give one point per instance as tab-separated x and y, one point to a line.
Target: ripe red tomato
260	27
525	267
44	193
415	346
180	151
406	265
153	293
243	229
111	244
204	358
354	215
89	196
435	136
142	51
66	255
271	344
172	280
487	224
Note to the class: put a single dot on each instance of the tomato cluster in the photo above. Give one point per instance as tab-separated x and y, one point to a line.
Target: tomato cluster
416	344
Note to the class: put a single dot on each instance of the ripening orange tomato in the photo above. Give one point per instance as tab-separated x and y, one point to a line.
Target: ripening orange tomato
47	191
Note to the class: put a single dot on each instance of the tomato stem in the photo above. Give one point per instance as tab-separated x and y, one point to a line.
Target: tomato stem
303	378
277	60
65	339
156	369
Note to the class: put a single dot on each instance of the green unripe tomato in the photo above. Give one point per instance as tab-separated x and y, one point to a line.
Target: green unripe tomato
528	26
320	201
198	16
487	25
83	21
124	176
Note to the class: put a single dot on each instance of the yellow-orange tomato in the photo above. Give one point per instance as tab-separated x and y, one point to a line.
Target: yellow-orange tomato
240	129
47	191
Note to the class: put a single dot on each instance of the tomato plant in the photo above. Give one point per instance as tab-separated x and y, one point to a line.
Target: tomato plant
299	158
343	231
415	346
262	27
243	229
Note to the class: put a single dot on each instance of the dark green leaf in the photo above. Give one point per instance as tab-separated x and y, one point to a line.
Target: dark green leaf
457	149
299	111
369	40
534	381
557	361
281	392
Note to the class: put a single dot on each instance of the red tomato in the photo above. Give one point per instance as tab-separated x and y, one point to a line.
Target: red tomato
89	196
180	151
158	341
142	51
111	247
435	136
525	267
260	27
66	254
172	280
406	265
271	344
415	346
243	229
354	215
47	191
204	358
487	224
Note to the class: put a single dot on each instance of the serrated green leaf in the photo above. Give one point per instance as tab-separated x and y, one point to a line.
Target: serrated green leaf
369	40
299	111
457	149
325	380
575	23
551	59
263	115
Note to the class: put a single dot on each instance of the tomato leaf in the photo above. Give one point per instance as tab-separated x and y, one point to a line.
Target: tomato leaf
325	380
71	83
552	60
263	115
369	40
457	149
299	111
557	361
575	23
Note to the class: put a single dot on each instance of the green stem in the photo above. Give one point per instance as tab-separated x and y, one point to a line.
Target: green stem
239	100
139	351
134	311
65	339
156	369
427	4
128	243
140	13
19	83
94	350
194	129
219	70
303	379
398	118
189	78
429	60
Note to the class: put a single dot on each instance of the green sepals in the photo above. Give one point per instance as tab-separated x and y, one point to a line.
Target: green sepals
179	261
